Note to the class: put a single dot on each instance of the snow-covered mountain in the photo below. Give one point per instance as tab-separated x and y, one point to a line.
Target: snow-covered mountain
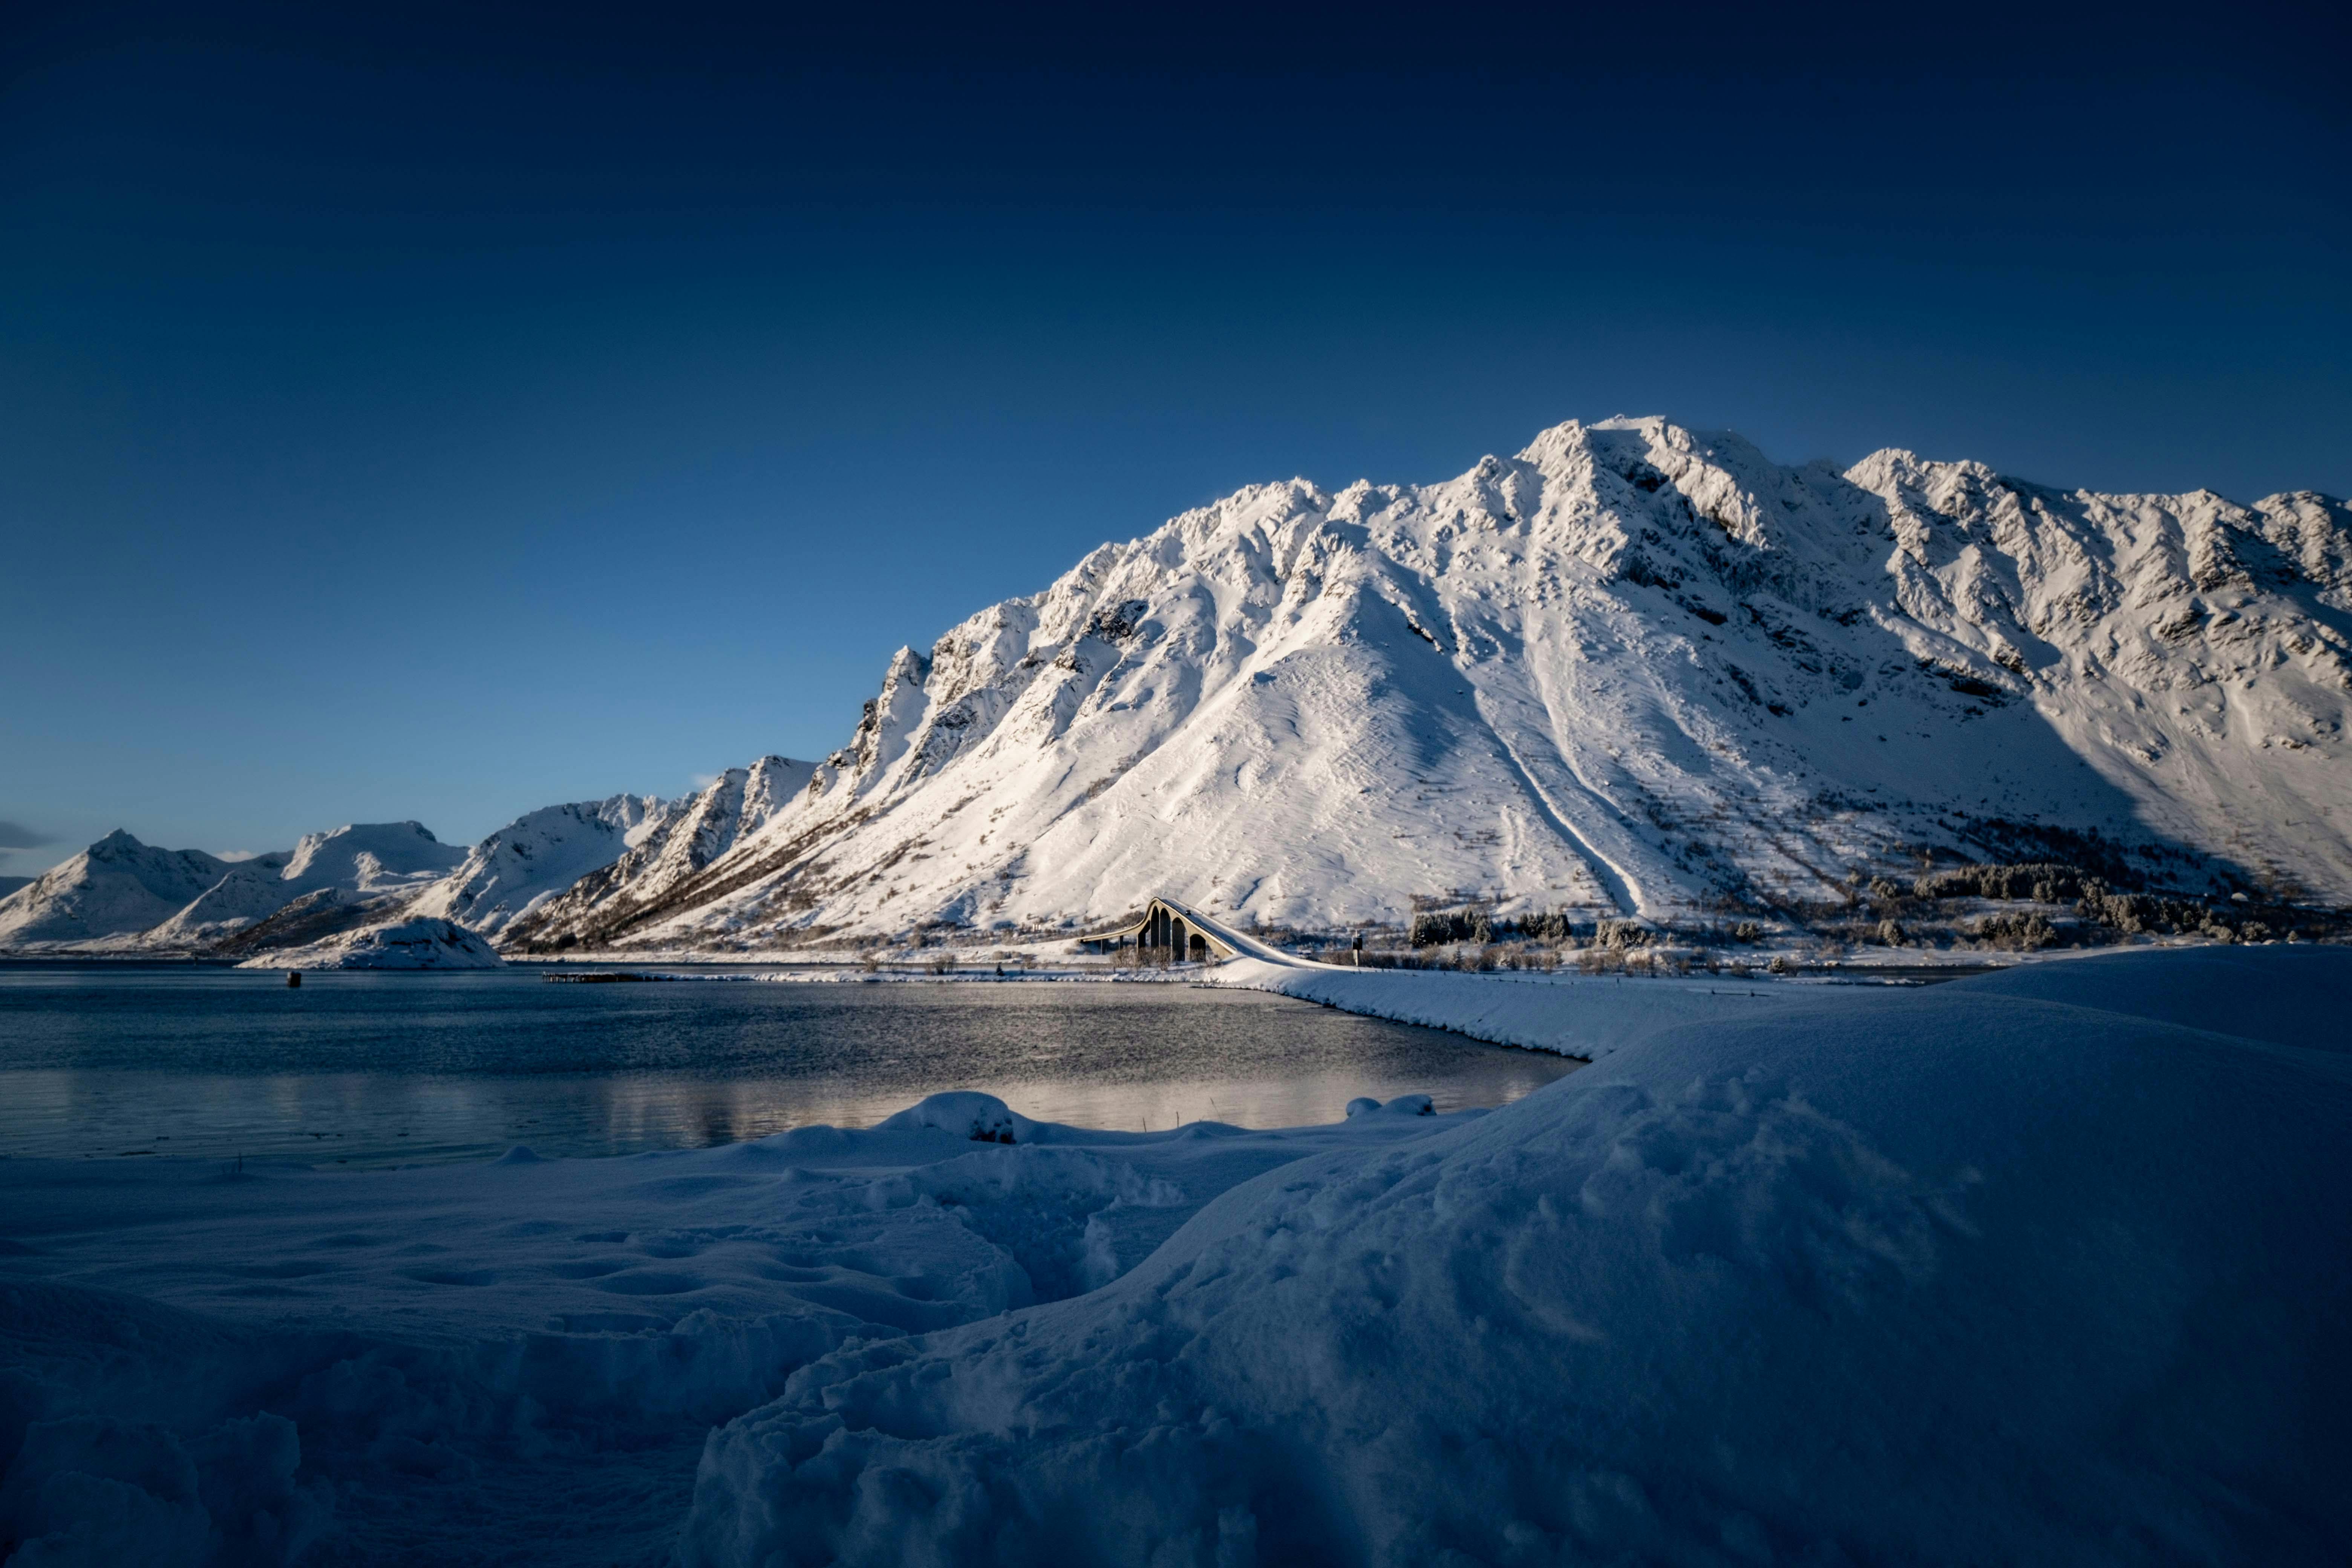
123	896
1632	669
670	850
116	888
538	856
361	861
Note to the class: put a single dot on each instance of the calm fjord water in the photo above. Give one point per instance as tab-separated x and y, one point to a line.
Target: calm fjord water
114	1060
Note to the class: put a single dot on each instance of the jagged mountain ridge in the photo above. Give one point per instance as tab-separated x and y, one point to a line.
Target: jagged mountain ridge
362	862
540	855
1631	669
122	895
670	849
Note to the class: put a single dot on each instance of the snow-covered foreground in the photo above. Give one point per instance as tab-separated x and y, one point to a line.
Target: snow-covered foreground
2051	1266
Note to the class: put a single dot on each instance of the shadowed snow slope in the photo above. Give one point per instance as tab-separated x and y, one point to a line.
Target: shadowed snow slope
1570	1015
1633	668
517	1363
1993	1272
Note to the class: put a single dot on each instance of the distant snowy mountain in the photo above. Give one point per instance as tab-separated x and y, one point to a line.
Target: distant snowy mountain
539	856
1632	669
367	860
671	850
123	897
10	884
116	888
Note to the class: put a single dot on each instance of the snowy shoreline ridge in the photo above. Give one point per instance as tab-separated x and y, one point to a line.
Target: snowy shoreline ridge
1633	672
2049	1266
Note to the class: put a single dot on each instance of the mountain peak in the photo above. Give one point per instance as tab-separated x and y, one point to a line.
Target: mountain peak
1636	669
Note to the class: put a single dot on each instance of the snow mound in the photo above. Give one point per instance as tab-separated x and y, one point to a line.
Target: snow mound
420	943
518	1360
2049	1270
983	1118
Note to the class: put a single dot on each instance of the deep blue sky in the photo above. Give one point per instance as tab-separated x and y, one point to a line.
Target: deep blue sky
443	413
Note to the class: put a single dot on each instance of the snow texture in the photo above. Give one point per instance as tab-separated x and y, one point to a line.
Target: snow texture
516	1362
2049	1267
1633	670
1994	1272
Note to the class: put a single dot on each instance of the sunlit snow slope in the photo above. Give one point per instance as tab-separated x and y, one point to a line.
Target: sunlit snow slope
1633	669
121	896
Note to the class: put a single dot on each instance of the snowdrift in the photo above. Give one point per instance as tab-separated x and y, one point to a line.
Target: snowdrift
518	1362
1994	1272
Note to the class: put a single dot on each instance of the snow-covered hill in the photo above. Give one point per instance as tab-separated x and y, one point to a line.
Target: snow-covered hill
414	942
123	897
538	856
362	860
1633	668
118	887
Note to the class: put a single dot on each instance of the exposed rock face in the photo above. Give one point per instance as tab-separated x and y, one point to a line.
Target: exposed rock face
670	850
537	857
1633	669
